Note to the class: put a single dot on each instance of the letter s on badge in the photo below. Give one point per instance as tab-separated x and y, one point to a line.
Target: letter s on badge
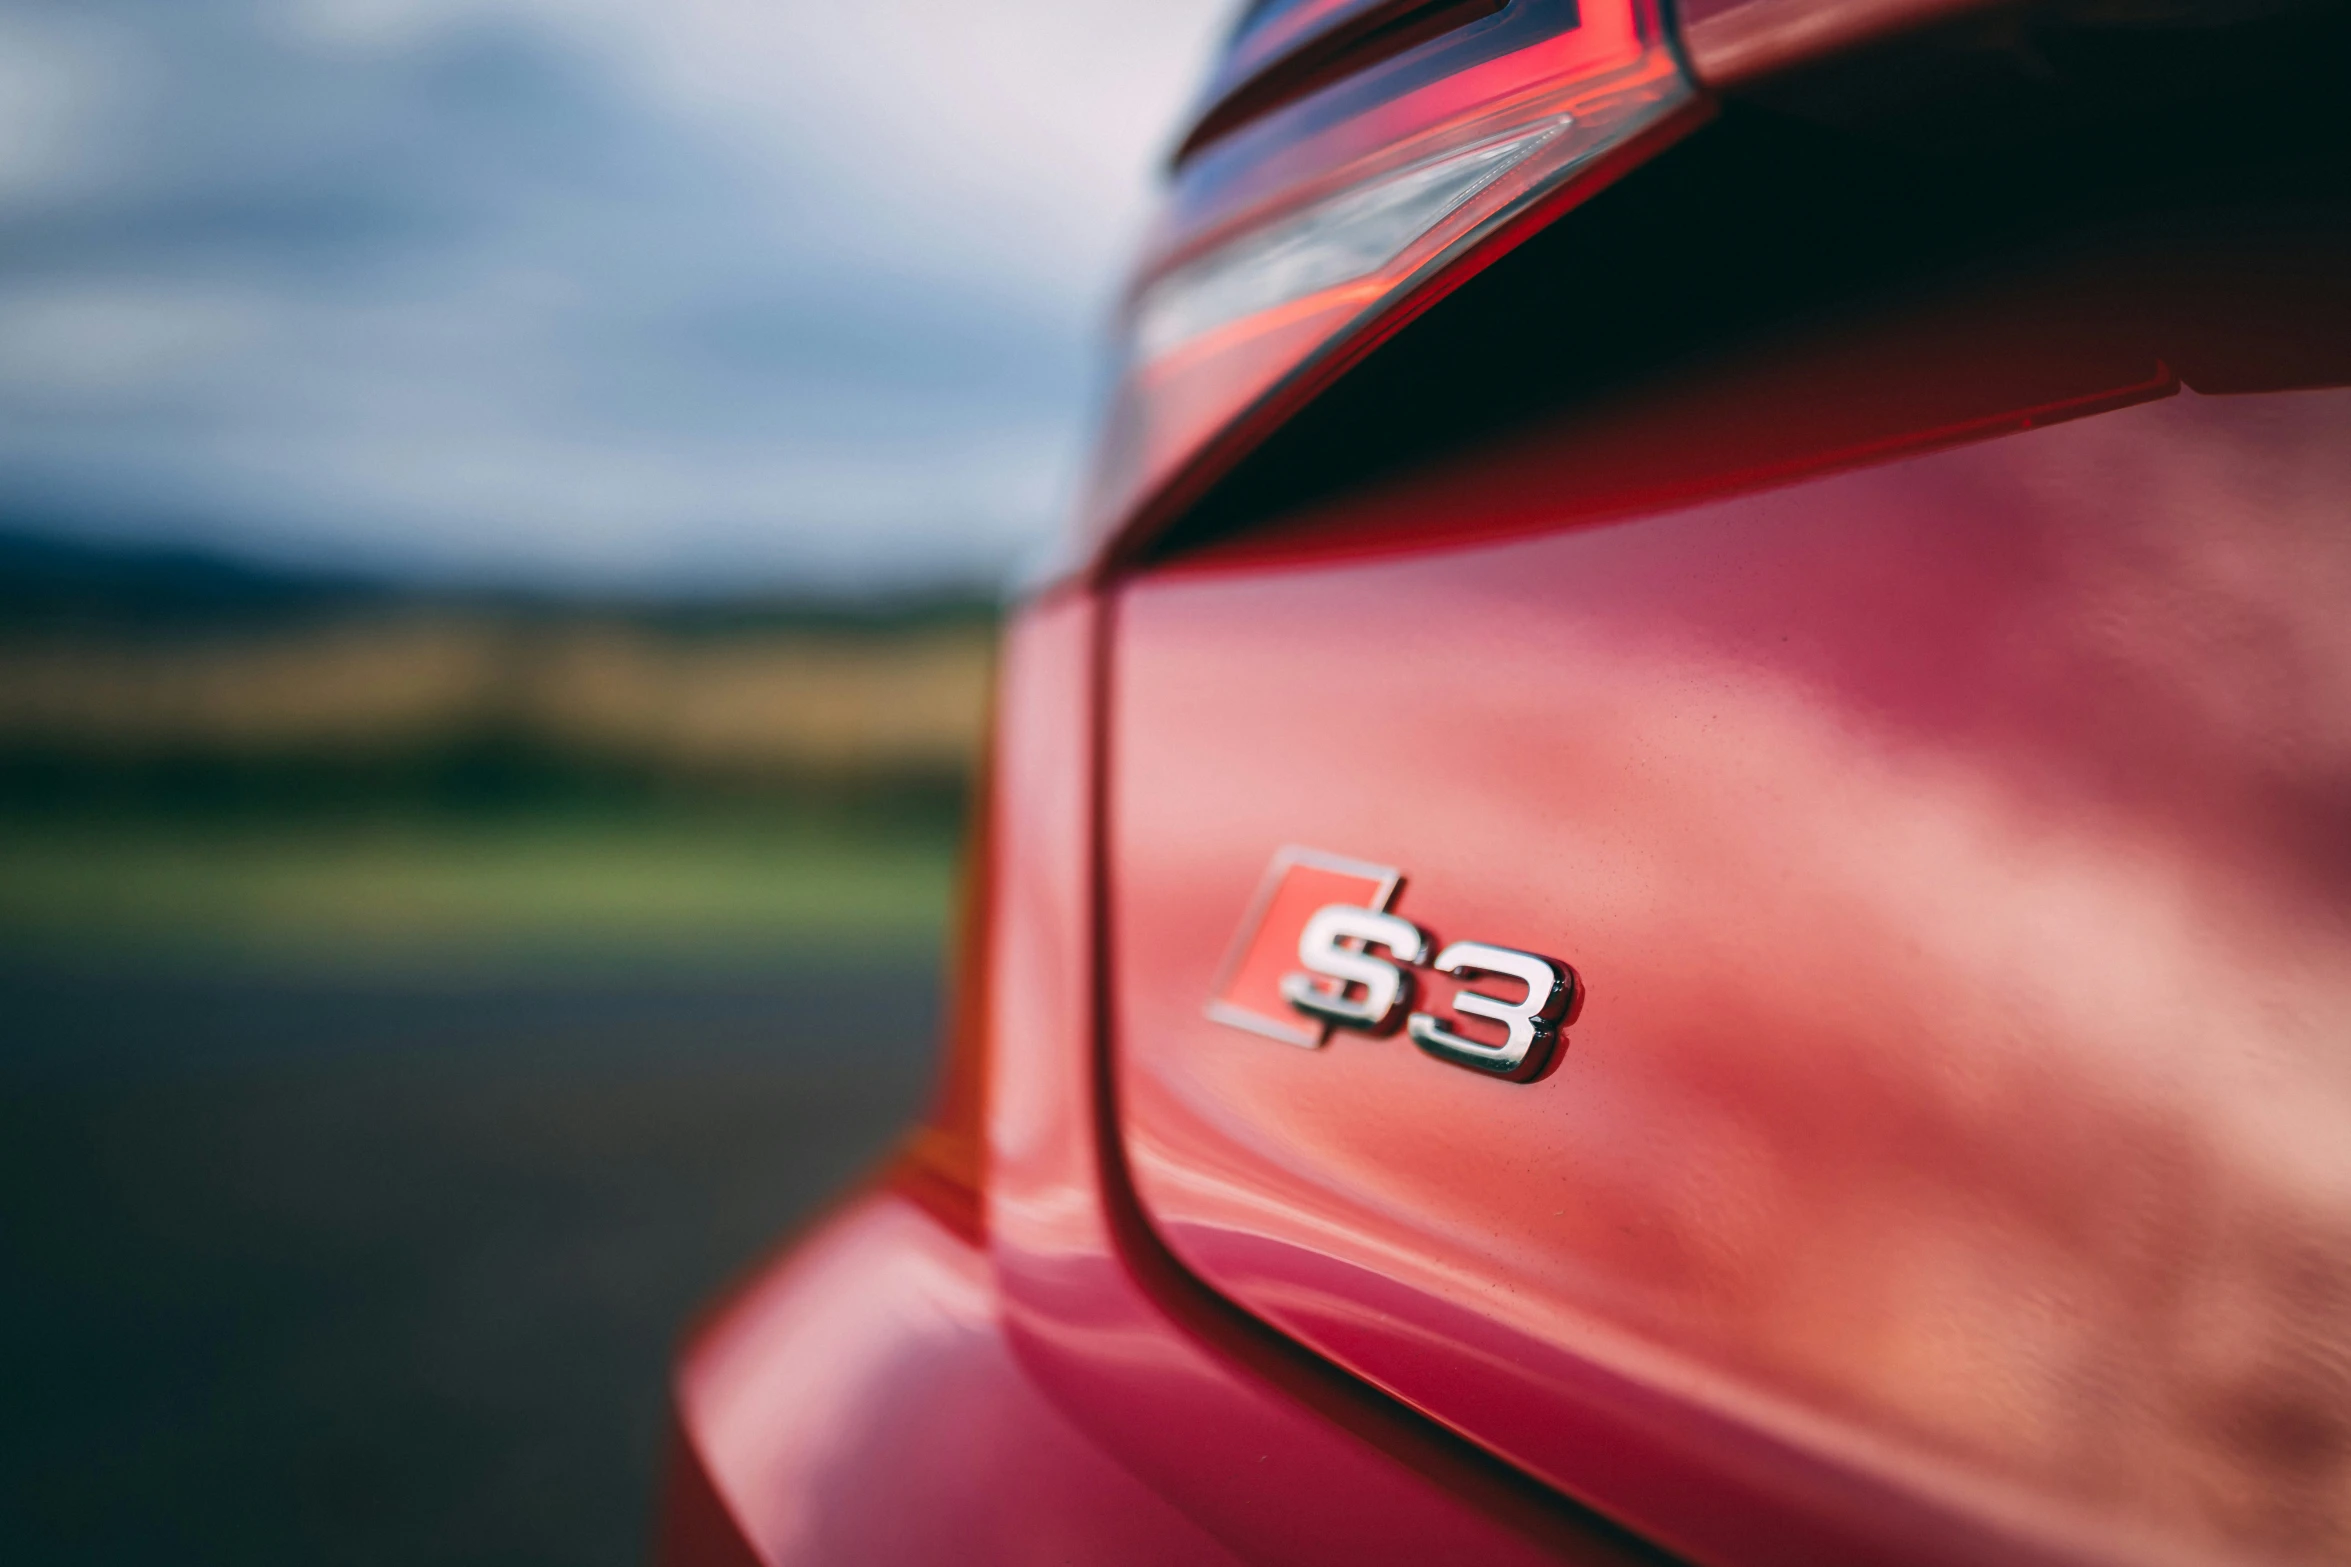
1385	986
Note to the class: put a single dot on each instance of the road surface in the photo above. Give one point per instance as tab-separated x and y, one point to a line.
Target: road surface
318	1270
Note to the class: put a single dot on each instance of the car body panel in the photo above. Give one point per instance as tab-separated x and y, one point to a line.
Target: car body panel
1879	626
911	1436
1917	831
887	1391
1276	1457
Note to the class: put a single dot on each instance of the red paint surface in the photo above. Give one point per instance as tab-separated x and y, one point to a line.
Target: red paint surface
1952	1158
890	1393
1281	1461
1928	742
858	1403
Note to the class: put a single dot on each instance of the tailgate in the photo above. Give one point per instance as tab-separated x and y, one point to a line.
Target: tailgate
1915	727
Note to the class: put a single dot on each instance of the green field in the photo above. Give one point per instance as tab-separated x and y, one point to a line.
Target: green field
434	891
310	775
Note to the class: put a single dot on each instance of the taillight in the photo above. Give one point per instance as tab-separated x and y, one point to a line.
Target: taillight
1341	249
1293	243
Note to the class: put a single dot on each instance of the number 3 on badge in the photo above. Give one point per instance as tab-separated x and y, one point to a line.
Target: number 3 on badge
1532	1020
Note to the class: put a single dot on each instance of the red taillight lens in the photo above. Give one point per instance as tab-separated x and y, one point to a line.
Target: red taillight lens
1293	246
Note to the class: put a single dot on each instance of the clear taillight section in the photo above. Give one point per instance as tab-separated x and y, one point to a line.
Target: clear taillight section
1338	246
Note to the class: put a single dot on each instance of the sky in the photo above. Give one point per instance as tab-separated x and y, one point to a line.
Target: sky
658	296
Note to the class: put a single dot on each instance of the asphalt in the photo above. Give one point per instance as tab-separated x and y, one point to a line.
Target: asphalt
370	1271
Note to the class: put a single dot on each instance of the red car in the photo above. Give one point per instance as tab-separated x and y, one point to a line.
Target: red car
1671	878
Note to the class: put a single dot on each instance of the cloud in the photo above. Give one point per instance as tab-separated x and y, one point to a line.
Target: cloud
53	97
582	292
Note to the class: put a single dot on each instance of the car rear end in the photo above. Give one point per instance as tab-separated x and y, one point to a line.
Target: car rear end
1668	874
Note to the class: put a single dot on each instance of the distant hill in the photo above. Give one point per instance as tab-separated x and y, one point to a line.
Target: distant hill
52	582
49	580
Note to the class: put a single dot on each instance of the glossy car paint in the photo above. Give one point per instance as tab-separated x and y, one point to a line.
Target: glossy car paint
1934	779
891	1392
1949	1161
811	1456
1279	1459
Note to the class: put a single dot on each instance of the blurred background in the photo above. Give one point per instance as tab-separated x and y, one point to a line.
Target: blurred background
504	509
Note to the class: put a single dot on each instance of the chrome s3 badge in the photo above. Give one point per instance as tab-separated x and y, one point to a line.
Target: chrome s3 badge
1307	960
